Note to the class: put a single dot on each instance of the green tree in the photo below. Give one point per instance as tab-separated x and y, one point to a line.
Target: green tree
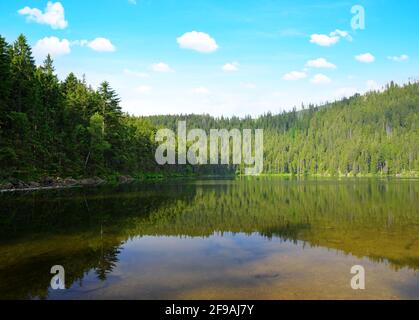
98	145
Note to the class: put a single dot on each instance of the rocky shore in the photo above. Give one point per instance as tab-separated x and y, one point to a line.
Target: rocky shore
58	183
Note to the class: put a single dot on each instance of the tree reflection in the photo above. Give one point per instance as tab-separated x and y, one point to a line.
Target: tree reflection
86	229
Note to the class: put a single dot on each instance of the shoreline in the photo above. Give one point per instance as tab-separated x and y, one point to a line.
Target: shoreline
58	183
49	183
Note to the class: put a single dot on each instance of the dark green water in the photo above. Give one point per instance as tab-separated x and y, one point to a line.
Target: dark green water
265	238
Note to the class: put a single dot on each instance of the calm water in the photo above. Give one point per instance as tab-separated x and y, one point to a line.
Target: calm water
214	239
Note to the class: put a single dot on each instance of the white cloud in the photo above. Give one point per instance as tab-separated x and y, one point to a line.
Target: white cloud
52	16
56	47
144	89
372	85
138	74
101	45
161	67
331	39
365	58
294	75
198	41
201	90
342	34
231	67
403	57
51	45
320	79
98	44
320	63
324	40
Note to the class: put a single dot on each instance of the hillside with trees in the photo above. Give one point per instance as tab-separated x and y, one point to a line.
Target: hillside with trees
376	133
67	128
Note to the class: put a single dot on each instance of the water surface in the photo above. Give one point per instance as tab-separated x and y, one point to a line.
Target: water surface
267	238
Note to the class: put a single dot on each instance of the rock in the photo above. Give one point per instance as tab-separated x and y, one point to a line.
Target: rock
92	181
125	179
47	181
34	184
14	182
87	182
68	182
6	186
18	184
99	181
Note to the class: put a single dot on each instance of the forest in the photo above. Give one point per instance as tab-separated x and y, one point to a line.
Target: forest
50	127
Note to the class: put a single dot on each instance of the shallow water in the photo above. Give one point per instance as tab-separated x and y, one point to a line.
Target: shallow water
267	238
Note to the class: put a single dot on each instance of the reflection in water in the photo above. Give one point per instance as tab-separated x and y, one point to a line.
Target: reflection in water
249	238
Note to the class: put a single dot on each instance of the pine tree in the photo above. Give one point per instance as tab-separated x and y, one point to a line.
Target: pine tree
98	144
5	78
23	86
111	112
7	152
50	115
110	108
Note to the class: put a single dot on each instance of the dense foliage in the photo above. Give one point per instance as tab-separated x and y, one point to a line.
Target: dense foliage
67	128
377	133
63	128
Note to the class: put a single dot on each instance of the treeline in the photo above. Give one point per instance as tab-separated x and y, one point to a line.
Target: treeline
66	128
376	133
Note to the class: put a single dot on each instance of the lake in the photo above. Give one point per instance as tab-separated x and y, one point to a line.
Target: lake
243	238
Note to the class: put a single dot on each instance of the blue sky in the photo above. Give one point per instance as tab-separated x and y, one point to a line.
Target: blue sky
222	57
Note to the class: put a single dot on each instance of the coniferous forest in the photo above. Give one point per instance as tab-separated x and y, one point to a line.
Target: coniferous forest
67	128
